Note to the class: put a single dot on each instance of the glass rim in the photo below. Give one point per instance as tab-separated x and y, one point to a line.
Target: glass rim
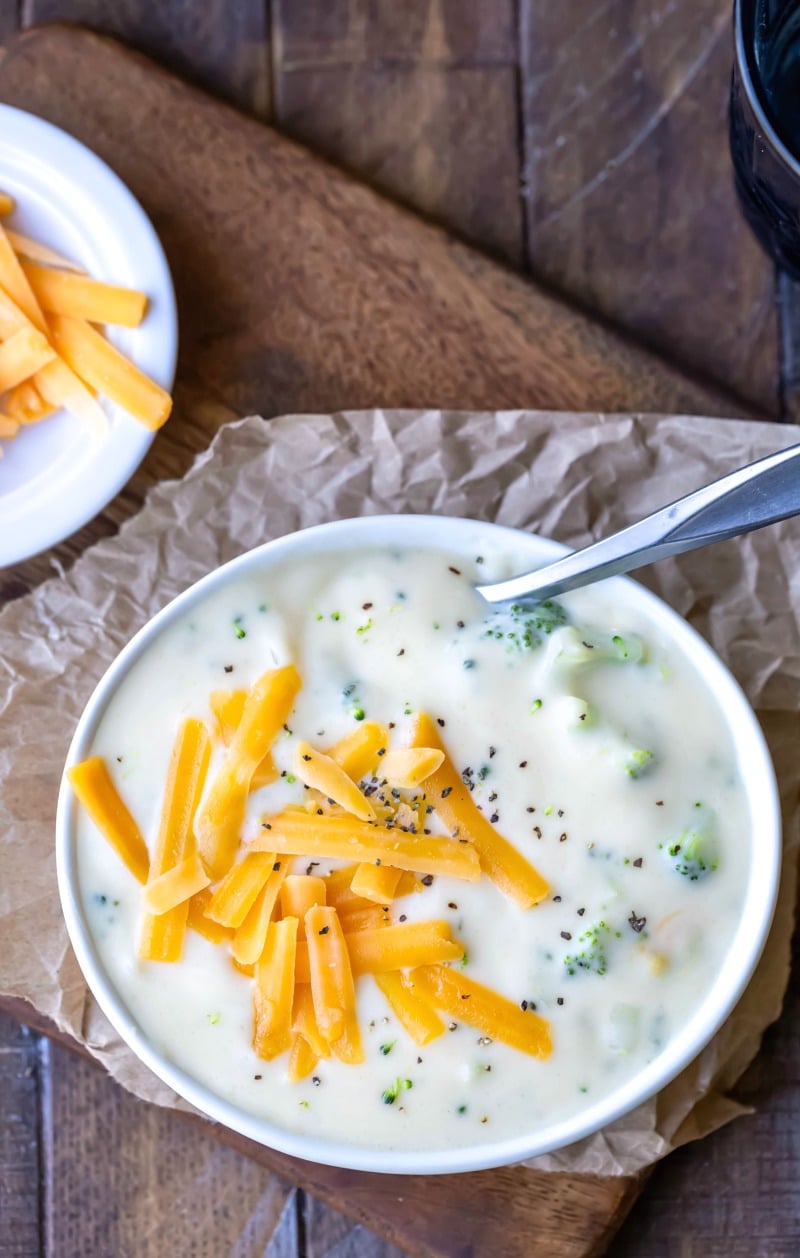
754	100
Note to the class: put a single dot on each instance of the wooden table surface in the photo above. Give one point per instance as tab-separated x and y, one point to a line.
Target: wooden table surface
585	143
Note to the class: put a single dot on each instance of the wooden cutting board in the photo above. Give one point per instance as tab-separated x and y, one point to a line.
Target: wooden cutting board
299	289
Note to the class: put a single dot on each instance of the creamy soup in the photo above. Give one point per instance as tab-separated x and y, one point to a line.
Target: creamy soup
584	737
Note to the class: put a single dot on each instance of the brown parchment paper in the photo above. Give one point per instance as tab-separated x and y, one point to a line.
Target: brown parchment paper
568	476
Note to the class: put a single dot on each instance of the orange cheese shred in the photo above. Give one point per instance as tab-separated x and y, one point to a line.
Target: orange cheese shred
407	767
386	948
480	1007
237	893
415	1014
273	990
64	292
332	985
196	919
296	833
24	247
96	361
499	859
176	886
299	893
95	791
22	355
357	753
304	1020
221	815
161	935
322	773
377	883
249	938
25	404
15	283
302	1059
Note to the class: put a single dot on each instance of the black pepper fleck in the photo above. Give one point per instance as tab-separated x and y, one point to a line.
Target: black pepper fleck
565	934
324	930
229	668
427	881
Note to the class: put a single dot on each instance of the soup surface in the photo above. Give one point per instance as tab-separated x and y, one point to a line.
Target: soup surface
584	737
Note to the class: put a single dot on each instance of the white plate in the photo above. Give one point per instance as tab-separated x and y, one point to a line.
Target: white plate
53	477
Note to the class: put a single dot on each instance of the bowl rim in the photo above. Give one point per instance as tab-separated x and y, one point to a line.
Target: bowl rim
745	948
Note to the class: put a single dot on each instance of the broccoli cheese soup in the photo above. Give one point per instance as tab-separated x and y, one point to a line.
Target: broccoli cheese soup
383	865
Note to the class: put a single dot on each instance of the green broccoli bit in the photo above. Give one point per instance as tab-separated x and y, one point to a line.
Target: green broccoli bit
630	649
393	1091
592	956
638	763
693	854
526	625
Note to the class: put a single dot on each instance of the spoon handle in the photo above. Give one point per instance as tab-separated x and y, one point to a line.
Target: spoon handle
761	493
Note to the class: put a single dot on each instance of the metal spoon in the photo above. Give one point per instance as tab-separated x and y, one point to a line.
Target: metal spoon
761	493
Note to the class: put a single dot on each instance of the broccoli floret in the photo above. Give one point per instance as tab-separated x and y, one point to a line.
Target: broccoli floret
525	626
693	854
593	646
638	762
592	956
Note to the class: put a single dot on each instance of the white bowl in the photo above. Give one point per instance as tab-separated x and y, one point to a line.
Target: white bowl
745	948
54	477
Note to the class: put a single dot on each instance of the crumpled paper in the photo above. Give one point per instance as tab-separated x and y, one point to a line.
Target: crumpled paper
569	476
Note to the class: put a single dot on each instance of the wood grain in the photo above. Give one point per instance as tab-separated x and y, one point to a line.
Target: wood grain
310	331
155	1192
222	46
331	1235
629	193
512	1211
20	1230
736	1195
418	99
9	18
299	289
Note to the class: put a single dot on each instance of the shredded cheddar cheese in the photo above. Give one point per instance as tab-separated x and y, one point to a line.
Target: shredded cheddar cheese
52	352
303	939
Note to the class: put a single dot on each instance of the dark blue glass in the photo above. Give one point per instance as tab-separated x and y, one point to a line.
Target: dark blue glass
765	124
